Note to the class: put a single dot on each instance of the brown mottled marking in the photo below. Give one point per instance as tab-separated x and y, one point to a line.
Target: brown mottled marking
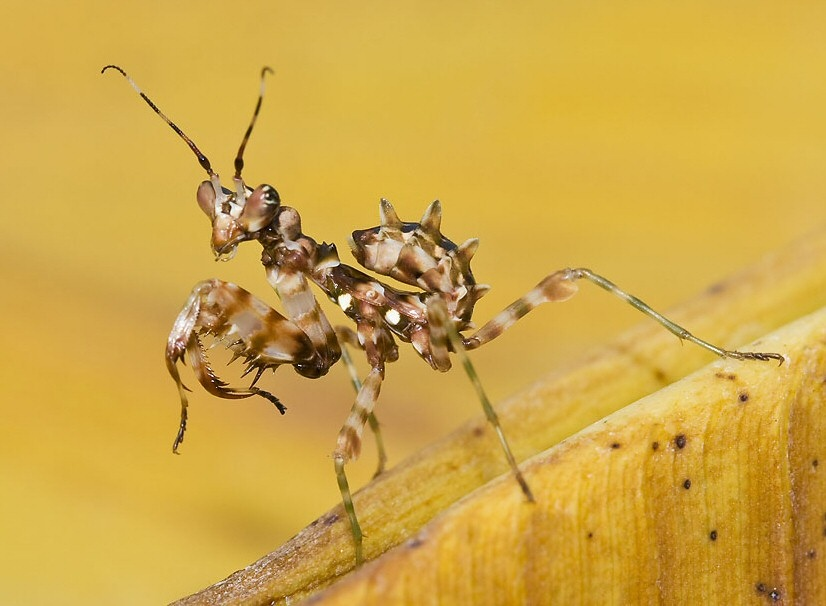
554	288
348	446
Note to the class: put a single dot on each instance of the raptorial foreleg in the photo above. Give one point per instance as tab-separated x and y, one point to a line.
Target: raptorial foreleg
248	327
560	286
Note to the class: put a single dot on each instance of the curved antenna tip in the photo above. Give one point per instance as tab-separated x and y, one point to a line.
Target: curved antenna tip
113	67
239	158
202	159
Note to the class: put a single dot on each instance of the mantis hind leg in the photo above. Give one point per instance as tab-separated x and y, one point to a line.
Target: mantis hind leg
561	286
443	333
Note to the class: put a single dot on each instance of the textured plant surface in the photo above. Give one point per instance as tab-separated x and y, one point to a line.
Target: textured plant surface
708	491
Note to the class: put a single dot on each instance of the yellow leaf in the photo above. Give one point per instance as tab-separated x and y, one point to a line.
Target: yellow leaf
708	491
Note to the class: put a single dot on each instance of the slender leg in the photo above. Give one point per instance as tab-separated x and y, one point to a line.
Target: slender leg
443	330
556	287
348	448
347	500
346	337
676	329
560	286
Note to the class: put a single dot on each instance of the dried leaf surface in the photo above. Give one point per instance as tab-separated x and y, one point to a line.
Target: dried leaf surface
708	491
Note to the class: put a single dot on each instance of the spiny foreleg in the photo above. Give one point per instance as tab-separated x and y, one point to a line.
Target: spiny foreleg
560	286
252	330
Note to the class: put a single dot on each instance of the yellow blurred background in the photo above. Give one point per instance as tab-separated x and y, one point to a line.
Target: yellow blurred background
662	144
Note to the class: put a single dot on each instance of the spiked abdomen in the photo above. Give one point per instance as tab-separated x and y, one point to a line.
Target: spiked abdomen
417	253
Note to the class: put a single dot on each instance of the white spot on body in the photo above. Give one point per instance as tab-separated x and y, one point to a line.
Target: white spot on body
392	316
344	301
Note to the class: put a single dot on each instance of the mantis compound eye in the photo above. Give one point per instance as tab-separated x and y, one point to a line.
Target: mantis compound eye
206	199
260	208
271	194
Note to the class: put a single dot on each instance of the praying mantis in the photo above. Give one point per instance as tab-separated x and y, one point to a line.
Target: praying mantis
432	311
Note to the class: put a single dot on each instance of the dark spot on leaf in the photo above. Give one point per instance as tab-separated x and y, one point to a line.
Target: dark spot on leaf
774	594
615	445
716	288
660	375
811	554
331	519
712	535
730	376
655	445
414	543
743	396
680	440
590	535
478	432
687	484
814	463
